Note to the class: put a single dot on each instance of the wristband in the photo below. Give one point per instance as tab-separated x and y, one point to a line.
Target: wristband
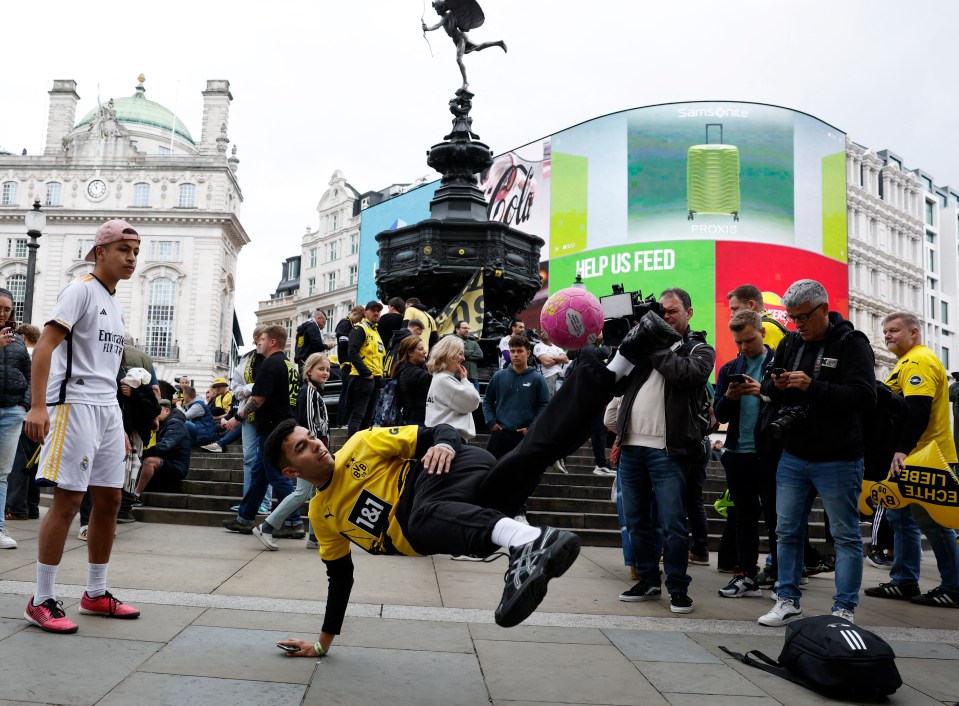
320	652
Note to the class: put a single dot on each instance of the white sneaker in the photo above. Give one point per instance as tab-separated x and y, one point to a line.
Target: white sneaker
265	538
6	541
784	611
83	534
846	615
312	544
521	519
213	448
467	557
560	467
603	471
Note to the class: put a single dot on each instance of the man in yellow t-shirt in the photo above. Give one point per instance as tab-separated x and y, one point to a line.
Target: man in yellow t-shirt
748	296
923	381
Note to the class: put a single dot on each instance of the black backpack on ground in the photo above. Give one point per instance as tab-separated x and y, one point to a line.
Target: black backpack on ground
833	657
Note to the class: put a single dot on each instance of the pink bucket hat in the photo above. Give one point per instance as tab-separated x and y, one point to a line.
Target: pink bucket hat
111	232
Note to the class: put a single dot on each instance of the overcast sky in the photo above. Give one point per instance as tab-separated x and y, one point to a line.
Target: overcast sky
320	86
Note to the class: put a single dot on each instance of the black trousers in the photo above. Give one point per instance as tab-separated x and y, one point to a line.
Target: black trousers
752	487
23	496
343	405
454	513
362	403
695	510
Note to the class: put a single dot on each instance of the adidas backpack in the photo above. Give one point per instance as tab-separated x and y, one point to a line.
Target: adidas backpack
834	657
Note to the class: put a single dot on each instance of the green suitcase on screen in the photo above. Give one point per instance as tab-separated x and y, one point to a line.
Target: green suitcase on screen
712	178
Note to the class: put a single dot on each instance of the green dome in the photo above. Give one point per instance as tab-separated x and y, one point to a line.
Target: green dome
137	110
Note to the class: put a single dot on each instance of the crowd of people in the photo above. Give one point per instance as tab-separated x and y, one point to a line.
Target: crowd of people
796	405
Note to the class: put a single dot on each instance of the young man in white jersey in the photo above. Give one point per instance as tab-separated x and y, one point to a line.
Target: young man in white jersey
75	367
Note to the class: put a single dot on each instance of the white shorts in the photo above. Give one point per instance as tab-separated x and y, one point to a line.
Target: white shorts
84	447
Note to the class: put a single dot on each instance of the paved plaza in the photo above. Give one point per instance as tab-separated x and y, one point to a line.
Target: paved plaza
419	631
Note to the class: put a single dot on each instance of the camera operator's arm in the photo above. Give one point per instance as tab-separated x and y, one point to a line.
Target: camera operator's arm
685	371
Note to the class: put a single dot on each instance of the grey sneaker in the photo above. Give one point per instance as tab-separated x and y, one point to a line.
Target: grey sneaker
846	615
642	591
781	613
741	587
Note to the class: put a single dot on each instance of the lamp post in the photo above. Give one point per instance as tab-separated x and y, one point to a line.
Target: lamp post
36	220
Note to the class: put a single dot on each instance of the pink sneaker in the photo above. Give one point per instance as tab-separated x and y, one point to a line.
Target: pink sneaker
49	616
107	606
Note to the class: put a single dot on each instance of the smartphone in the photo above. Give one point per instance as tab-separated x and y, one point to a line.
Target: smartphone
10	324
288	648
740	378
778	371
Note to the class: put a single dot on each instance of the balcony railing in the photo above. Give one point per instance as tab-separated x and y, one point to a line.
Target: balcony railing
162	352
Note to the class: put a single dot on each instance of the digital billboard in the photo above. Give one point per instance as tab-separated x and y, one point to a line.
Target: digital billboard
704	196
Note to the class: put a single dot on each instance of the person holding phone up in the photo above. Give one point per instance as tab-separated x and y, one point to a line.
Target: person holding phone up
752	484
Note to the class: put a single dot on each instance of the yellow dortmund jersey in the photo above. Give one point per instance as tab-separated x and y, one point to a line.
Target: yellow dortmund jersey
372	351
919	372
774	334
359	503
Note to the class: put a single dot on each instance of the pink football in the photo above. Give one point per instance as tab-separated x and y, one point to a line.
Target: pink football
572	318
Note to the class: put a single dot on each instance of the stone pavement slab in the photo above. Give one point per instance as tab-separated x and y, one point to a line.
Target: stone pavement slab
227	653
360	675
75	682
924	650
146	689
157	623
938	679
719	700
9	626
704	679
526	633
563	673
651	646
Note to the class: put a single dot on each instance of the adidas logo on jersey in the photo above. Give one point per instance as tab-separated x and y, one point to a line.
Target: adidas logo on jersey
103	312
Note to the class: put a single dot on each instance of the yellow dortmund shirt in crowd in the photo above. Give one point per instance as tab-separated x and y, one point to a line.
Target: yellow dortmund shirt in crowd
359	503
919	372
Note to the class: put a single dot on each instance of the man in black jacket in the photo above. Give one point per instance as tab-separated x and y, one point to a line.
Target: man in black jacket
166	464
342	333
821	382
661	422
309	338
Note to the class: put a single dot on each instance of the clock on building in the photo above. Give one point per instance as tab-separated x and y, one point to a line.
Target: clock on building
96	189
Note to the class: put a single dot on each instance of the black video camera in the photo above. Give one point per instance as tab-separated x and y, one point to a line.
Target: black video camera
622	310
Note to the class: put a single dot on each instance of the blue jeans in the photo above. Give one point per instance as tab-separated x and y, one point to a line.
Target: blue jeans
11	422
653	487
264	474
251	457
839	484
230	436
908	525
302	493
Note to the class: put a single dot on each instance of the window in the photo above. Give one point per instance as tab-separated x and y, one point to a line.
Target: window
365	203
310	286
332	250
930	236
945	358
945	313
17	284
334	221
141	195
932	282
17	247
9	194
354	243
932	307
159	332
53	194
330	281
187	196
83	247
944	200
353	270
163	151
168	250
312	257
293	269
932	260
329	319
929	213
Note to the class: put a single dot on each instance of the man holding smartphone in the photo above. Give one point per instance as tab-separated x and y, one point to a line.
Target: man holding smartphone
752	483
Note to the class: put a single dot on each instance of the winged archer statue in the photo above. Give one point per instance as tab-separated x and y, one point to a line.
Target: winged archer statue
457	17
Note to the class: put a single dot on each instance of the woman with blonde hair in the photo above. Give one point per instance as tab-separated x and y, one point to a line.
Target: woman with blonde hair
452	397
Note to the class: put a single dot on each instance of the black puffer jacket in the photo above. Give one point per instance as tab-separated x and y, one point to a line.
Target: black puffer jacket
413	382
15	374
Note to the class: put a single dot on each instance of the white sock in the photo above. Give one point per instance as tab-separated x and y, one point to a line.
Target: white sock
46	583
620	366
509	533
96	580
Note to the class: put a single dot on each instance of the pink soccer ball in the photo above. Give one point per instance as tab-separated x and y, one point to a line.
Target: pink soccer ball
572	318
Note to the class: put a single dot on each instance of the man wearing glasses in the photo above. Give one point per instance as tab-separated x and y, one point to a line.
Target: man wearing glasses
821	382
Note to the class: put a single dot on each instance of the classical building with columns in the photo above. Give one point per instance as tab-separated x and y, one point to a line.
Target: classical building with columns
903	250
132	158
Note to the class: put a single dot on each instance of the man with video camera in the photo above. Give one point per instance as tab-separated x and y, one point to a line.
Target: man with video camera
821	382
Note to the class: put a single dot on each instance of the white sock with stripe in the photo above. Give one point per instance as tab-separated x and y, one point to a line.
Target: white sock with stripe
509	533
96	580
46	583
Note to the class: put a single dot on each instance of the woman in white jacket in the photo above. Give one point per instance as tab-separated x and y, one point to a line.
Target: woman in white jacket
452	397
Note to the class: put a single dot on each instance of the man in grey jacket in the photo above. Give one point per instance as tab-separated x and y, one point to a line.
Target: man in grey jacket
472	353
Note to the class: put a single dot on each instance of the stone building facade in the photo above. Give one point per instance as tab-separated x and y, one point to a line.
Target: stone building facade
131	158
